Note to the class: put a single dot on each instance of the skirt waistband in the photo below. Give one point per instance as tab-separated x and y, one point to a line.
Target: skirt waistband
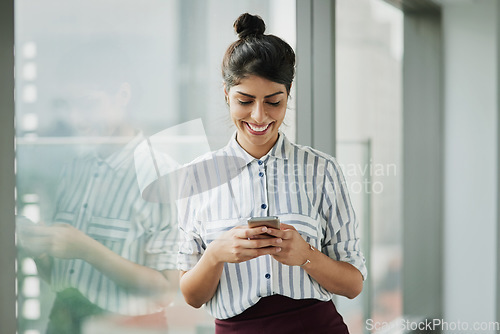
275	304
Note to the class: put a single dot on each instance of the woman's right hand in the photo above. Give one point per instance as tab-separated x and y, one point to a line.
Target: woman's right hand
239	244
243	243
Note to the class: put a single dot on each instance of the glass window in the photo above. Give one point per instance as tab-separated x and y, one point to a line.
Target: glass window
369	71
93	79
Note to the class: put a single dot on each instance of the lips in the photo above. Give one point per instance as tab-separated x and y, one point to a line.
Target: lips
256	129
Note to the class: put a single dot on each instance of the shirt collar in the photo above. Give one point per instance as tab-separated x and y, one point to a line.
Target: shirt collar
280	150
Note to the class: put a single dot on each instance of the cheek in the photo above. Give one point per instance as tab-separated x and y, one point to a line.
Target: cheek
278	115
237	112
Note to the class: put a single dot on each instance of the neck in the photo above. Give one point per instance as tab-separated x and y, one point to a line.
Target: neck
257	151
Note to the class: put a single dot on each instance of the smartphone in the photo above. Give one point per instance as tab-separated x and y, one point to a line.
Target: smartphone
271	221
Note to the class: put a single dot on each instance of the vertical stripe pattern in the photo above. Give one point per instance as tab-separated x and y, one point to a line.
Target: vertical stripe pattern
303	187
102	199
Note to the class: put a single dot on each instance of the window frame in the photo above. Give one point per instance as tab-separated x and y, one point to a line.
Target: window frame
315	77
7	180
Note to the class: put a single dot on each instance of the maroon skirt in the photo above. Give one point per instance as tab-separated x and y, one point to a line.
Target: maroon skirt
279	314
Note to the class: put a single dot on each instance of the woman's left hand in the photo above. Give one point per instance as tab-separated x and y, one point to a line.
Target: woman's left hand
338	277
294	249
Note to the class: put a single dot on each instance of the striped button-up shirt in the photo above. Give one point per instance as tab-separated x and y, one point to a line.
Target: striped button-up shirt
302	186
101	197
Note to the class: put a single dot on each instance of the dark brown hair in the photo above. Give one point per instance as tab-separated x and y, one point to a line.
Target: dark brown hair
266	56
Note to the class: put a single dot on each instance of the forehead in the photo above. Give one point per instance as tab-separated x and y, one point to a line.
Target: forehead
258	86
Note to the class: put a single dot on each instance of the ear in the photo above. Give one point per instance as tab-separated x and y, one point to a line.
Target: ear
226	94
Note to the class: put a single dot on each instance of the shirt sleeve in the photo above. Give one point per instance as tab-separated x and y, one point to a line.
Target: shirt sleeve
161	248
191	244
341	239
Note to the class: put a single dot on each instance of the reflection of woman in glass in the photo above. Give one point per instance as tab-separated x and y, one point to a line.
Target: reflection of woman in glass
252	282
107	250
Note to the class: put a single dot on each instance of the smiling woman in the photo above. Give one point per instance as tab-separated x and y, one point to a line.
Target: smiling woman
256	278
257	108
258	71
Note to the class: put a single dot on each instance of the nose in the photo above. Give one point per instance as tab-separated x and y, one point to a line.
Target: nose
258	113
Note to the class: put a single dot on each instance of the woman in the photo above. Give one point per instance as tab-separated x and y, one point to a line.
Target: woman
264	279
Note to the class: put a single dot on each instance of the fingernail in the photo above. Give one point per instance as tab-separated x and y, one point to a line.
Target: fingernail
264	229
278	249
279	240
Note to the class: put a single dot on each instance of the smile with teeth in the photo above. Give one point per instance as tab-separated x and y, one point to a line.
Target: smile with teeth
256	128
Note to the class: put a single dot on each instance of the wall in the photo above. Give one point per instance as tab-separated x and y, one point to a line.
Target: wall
470	162
422	165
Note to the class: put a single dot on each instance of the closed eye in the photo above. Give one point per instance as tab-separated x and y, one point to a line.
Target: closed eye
274	104
244	102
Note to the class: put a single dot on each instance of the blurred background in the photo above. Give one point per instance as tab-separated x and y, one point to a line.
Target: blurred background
403	93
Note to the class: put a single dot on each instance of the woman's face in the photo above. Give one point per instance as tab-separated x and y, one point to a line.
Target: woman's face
257	108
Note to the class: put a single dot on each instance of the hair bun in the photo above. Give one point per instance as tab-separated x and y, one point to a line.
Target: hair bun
249	25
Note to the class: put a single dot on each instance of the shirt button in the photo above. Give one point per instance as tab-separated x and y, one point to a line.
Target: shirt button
99	163
261	174
268	276
263	206
85	205
260	162
96	175
72	271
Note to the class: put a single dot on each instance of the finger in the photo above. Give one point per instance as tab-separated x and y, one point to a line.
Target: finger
283	234
250	232
241	254
37	244
284	226
261	243
271	250
31	233
36	240
263	236
274	231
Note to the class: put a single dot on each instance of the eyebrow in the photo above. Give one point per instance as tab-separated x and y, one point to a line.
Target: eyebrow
267	96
